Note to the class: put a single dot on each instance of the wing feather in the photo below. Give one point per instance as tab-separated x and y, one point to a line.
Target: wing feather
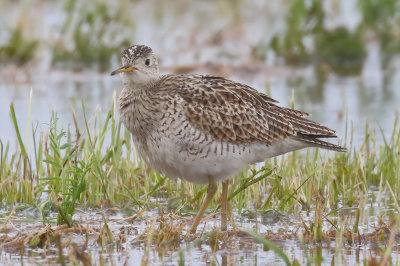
234	112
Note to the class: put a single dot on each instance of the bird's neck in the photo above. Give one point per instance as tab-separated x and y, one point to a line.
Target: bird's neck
135	108
132	96
139	87
136	94
139	82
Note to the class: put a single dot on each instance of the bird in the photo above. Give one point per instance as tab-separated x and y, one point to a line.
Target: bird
205	129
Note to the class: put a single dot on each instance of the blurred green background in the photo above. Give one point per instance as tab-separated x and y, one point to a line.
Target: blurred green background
89	34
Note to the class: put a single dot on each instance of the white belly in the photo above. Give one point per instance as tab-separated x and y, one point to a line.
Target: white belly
195	162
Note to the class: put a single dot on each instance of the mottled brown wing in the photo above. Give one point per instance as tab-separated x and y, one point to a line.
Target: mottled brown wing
234	112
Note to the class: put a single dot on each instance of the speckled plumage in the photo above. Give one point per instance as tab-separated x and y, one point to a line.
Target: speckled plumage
130	54
196	126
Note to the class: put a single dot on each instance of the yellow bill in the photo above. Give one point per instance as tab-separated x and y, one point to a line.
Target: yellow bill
123	69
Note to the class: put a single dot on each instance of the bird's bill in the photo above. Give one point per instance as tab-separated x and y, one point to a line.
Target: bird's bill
123	69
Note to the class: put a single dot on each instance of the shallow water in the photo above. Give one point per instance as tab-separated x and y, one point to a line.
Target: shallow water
236	248
233	249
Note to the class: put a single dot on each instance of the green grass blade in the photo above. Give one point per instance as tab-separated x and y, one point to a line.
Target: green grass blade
14	119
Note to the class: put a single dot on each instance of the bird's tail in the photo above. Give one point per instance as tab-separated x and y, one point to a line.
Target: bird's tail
316	142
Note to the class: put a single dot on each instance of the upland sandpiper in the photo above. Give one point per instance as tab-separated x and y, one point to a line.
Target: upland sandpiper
204	129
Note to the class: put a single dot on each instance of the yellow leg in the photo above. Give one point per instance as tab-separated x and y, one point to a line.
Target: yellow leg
212	188
224	206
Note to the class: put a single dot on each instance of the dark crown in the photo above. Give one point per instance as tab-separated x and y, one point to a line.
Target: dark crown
134	52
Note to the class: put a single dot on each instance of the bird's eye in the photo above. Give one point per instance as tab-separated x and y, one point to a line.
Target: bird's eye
147	62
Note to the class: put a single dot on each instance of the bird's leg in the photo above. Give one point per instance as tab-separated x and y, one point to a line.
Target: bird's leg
212	188
224	206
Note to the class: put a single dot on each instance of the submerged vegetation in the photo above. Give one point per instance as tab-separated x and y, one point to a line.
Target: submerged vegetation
307	41
17	49
341	50
302	21
383	18
95	30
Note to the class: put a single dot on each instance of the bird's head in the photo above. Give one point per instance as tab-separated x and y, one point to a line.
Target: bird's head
140	66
